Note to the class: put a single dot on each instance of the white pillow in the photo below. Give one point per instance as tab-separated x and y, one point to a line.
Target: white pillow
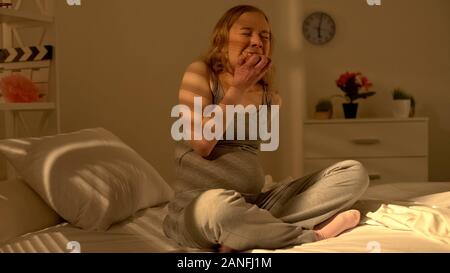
90	177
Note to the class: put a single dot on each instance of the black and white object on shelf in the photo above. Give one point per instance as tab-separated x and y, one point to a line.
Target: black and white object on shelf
26	54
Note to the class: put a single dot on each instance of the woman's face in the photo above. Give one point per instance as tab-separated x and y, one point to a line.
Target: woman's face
249	34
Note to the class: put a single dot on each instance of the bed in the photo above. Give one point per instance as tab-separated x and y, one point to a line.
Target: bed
143	233
113	200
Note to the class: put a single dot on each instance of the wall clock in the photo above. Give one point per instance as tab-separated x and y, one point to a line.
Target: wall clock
319	28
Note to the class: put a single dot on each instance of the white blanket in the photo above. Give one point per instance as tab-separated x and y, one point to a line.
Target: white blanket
428	216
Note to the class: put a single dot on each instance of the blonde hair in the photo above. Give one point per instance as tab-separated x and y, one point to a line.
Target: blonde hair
216	58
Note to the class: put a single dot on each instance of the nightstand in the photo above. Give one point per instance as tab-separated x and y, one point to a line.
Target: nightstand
392	150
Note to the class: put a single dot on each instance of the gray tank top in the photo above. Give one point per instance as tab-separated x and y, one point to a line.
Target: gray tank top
233	164
218	94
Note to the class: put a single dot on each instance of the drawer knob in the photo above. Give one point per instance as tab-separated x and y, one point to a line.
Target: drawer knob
366	141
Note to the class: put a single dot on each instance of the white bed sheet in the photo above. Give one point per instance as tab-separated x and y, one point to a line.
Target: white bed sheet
143	233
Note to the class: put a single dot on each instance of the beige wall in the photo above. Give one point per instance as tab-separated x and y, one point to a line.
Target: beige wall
403	43
121	63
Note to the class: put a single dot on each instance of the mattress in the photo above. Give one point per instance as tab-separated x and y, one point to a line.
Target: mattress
140	233
143	233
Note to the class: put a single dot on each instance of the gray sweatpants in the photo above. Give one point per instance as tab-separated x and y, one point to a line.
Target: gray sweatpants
281	217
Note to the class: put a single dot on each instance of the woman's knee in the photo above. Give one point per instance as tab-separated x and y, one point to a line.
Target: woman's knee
352	172
214	207
360	175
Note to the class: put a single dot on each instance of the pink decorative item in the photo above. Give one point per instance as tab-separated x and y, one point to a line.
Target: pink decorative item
18	88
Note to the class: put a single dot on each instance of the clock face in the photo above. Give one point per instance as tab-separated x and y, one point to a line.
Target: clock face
319	28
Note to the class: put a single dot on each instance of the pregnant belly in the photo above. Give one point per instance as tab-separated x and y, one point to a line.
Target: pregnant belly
226	168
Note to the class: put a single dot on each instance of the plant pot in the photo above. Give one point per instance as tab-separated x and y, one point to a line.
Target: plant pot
412	112
323	115
401	108
350	110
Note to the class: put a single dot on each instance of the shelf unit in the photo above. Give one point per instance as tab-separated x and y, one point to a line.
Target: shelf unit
22	54
8	15
27	106
35	16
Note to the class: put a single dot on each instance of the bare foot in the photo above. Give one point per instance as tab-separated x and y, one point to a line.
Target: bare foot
337	224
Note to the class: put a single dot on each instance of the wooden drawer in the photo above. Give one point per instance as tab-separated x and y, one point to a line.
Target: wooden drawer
374	139
382	169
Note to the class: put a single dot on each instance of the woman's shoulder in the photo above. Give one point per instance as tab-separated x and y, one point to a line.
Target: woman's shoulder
200	68
196	80
275	98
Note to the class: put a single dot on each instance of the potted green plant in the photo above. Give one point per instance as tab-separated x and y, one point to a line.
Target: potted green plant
324	109
404	104
351	83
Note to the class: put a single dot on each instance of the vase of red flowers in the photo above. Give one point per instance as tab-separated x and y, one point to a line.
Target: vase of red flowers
351	83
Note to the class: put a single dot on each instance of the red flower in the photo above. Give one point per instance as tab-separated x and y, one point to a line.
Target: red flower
343	79
365	83
351	82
